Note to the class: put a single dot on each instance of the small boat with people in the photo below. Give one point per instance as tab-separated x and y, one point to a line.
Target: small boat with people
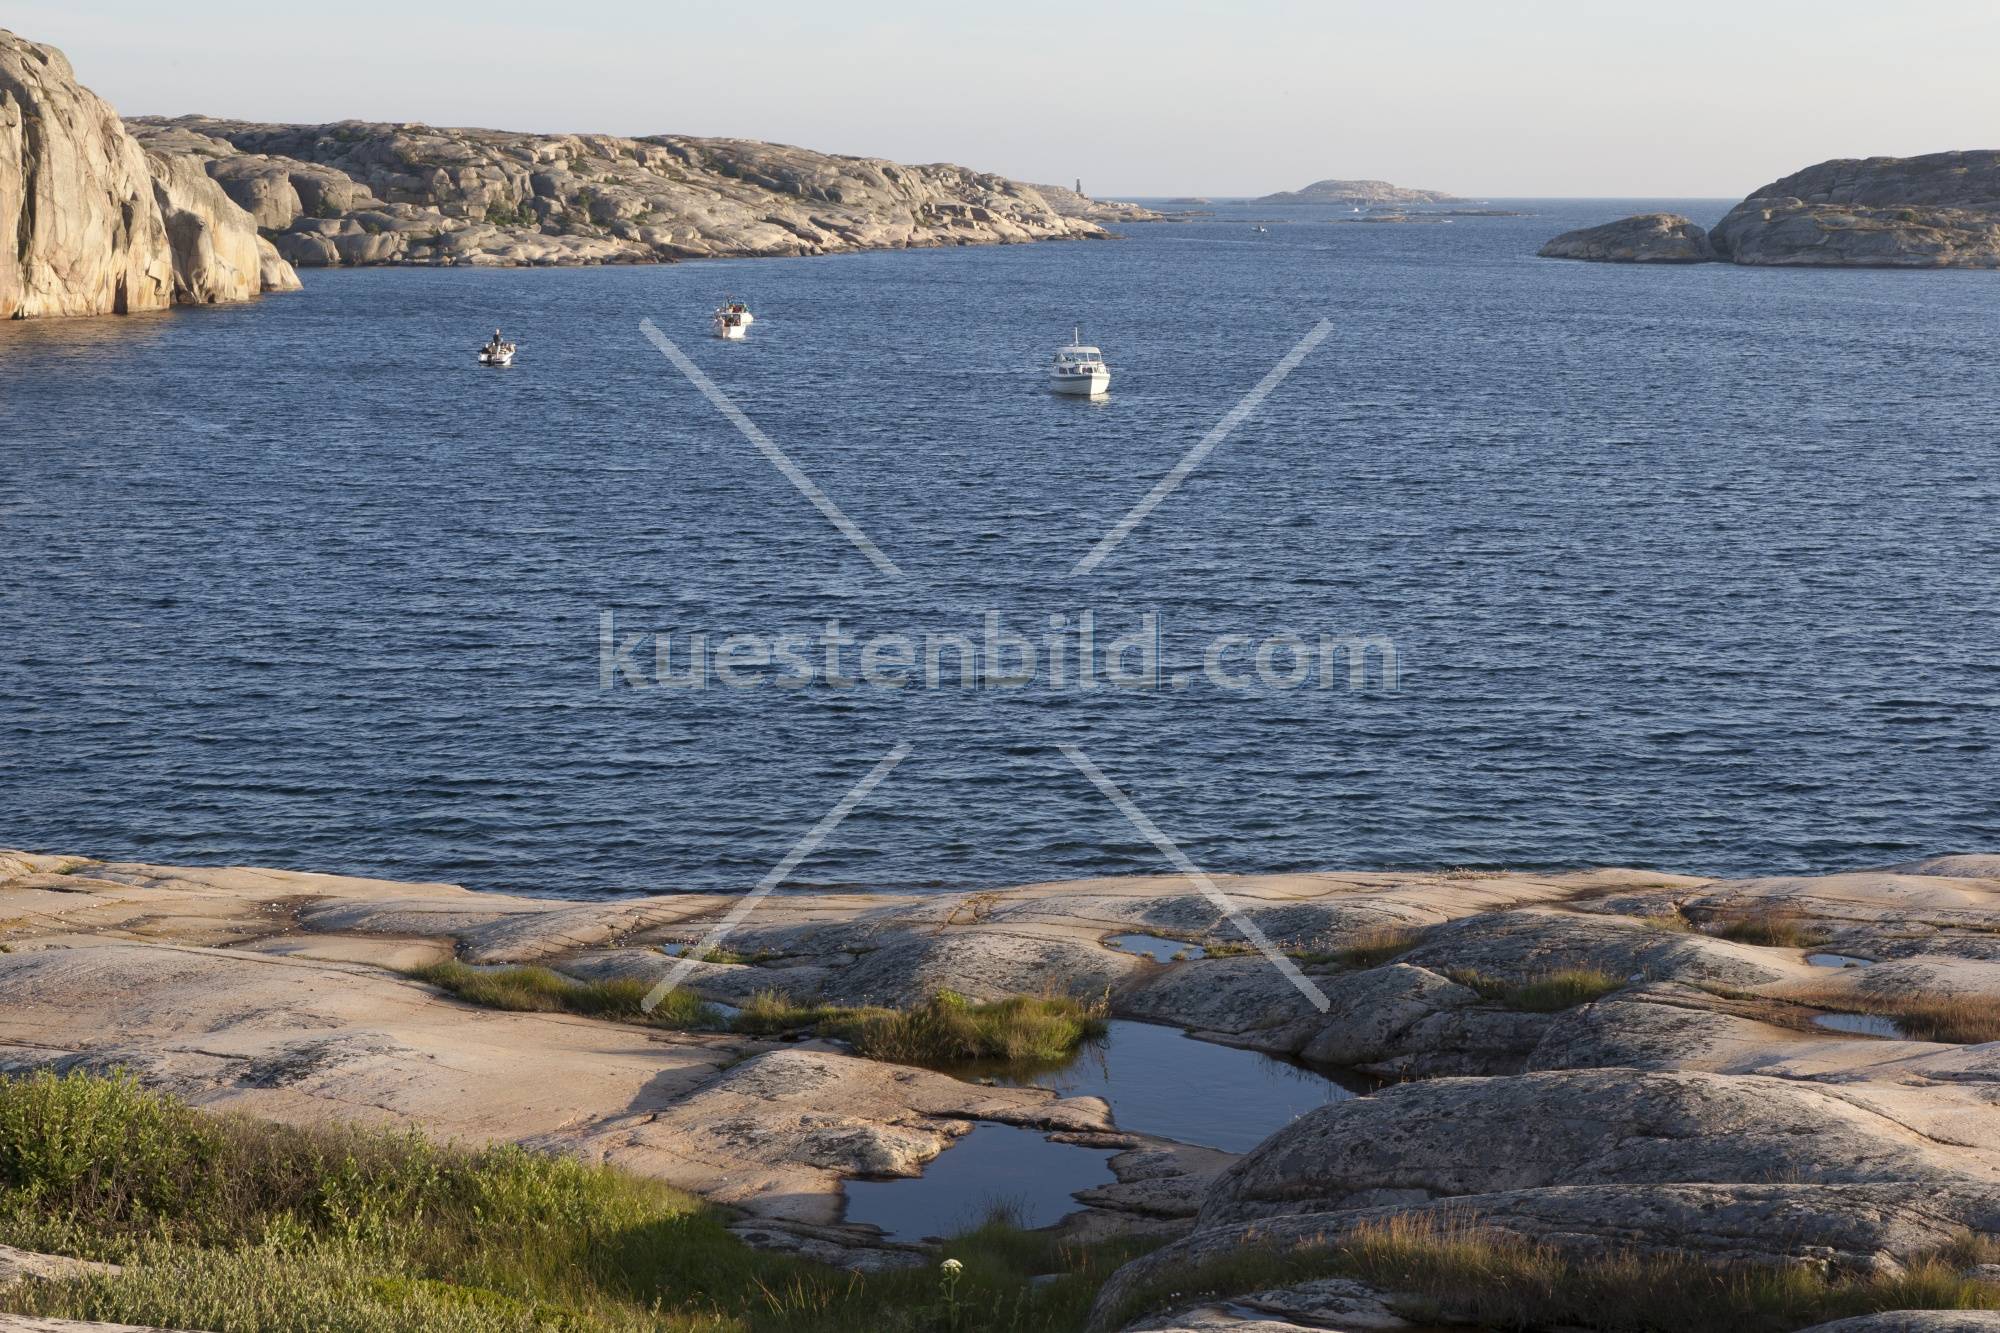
497	352
733	320
1080	369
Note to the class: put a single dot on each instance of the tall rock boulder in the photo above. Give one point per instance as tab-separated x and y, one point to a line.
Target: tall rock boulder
215	244
80	233
99	225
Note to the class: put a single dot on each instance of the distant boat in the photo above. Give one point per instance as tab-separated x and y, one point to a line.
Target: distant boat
497	352
1080	370
733	320
1260	229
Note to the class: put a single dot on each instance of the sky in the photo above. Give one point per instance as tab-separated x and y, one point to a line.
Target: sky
1537	98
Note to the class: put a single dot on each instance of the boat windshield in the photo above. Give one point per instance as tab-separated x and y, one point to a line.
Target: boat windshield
1079	354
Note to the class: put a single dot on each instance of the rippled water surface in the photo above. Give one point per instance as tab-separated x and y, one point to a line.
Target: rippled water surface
1688	567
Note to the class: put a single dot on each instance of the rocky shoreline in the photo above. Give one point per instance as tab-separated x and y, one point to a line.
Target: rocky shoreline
1600	1062
119	217
358	193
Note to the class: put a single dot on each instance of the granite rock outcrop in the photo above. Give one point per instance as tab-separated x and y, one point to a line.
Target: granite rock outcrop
359	193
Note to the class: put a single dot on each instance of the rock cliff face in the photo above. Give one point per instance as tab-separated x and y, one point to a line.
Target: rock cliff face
1941	210
98	225
76	200
1649	238
363	193
1358	194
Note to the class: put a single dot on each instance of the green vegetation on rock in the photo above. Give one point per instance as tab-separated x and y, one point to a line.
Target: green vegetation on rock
223	1222
1457	1272
1542	993
538	990
947	1030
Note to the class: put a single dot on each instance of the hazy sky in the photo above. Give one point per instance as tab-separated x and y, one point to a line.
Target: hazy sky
1484	99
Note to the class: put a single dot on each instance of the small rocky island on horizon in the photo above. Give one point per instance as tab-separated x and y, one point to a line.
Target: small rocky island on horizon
1357	194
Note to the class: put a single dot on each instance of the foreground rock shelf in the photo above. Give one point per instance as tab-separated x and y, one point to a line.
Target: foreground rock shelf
1608	1061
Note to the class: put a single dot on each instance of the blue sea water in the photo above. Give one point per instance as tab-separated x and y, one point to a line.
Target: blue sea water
1694	568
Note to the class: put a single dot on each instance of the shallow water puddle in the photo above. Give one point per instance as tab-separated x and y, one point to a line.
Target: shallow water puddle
993	1166
1836	960
1863	1025
1156	947
1161	1081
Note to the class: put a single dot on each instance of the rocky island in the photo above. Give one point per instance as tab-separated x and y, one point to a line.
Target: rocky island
1768	1102
1940	210
1648	238
1357	194
118	217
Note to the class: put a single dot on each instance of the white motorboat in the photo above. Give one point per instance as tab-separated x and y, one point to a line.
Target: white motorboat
733	320
1080	370
497	352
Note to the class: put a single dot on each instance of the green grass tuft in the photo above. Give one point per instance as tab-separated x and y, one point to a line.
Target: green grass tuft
1542	993
1967	1019
1455	1272
1371	947
538	990
1773	927
948	1031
